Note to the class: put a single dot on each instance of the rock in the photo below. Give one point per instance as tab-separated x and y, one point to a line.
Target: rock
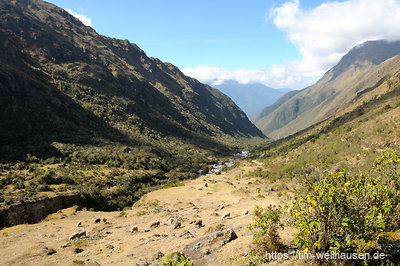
78	234
170	221
205	184
246	254
155	224
221	207
49	251
93	263
108	232
97	220
104	220
79	224
199	223
178	224
134	229
187	234
215	235
229	235
78	250
197	246
158	255
226	215
110	246
147	230
176	254
246	212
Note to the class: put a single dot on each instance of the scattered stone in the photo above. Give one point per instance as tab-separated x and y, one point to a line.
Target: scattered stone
200	188
221	207
147	230
78	250
158	255
155	224
215	235
178	224
230	235
226	215
246	212
170	221
176	254
269	189
187	234
104	220
97	220
205	184
197	246
108	232
79	224
246	254
93	263
110	246
199	224
134	229
78	234
49	251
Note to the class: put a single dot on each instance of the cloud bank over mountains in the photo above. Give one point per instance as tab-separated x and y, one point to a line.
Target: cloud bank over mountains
322	35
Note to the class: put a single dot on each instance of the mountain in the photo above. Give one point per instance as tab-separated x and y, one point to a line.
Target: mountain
91	117
270	108
63	82
252	97
364	68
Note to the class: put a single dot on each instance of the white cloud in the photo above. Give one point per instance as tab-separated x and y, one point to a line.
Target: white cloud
322	35
85	20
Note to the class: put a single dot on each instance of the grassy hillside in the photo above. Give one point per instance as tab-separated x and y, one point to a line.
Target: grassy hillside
345	173
88	114
365	67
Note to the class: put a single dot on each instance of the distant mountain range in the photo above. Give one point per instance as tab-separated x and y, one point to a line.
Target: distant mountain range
252	97
364	68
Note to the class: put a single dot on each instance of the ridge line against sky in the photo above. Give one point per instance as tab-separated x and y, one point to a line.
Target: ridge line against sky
279	43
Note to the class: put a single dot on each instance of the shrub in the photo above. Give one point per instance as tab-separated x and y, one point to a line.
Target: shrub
178	261
265	230
347	213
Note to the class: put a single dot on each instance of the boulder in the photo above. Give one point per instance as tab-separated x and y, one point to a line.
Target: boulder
229	235
78	235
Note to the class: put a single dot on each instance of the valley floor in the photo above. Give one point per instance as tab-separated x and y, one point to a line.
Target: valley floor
220	201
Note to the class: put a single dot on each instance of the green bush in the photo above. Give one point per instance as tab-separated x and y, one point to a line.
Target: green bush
265	230
178	261
351	213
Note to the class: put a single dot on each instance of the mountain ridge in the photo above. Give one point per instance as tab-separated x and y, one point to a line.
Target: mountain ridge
353	74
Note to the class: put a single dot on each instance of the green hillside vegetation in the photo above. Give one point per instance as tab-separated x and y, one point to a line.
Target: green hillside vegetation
362	69
345	171
84	113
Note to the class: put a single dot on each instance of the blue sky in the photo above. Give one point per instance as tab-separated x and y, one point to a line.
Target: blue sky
215	40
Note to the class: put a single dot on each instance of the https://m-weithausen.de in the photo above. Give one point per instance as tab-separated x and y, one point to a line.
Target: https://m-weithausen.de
299	255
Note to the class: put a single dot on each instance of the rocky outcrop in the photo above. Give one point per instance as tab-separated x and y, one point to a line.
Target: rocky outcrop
34	212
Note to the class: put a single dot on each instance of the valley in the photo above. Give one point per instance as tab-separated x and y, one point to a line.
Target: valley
109	156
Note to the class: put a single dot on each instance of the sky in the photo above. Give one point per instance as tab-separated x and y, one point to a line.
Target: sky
279	43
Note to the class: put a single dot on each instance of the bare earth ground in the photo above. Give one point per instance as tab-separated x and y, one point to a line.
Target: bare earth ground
111	242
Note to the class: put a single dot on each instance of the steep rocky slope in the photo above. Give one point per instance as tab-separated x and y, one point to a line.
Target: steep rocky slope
61	81
363	68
